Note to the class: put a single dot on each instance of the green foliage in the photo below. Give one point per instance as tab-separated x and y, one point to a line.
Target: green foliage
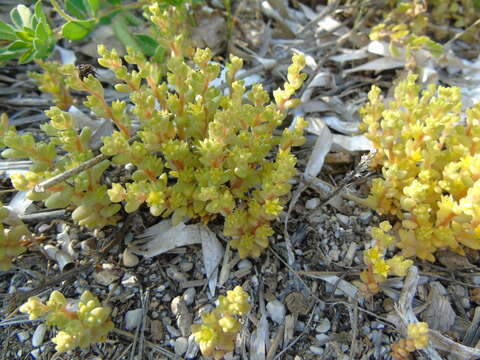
197	153
428	149
29	37
459	13
67	148
51	81
216	335
11	238
79	325
405	27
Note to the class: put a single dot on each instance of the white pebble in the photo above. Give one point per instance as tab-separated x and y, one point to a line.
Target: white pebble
181	345
129	259
277	311
312	203
189	296
35	353
324	326
322	339
38	335
23	335
133	319
316	350
244	264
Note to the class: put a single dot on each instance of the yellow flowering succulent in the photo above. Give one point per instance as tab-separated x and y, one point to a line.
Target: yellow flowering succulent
216	334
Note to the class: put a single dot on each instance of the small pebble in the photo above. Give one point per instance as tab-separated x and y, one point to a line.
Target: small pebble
365	217
277	311
189	296
39	335
466	303
129	280
23	335
35	353
133	319
186	266
174	333
322	339
129	259
312	203
106	277
344	219
323	327
316	350
181	345
244	264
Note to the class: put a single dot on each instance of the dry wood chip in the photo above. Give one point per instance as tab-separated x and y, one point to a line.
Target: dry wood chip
297	303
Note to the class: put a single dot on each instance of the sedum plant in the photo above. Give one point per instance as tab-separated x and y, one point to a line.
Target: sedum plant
417	339
219	328
66	148
13	233
80	323
428	151
52	82
197	152
405	27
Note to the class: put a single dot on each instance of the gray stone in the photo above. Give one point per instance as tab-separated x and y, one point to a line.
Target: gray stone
316	350
365	217
180	345
323	327
39	335
312	204
133	319
277	311
189	296
322	339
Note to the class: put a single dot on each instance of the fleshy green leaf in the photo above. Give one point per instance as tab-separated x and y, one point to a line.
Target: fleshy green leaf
7	32
77	8
147	44
94	6
77	30
21	16
122	32
27	56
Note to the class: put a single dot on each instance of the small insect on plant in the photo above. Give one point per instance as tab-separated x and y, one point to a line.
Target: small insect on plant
84	70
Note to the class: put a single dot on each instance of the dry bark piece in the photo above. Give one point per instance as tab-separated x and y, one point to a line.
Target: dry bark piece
297	303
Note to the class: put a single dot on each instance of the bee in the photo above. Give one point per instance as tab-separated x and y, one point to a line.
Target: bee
84	70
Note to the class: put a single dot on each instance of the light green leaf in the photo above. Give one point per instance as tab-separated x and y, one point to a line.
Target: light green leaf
7	32
21	16
147	44
77	30
123	33
94	6
27	56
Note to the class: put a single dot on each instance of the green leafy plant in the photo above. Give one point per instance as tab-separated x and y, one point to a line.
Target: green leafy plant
80	323
405	27
30	36
197	153
51	81
428	151
216	334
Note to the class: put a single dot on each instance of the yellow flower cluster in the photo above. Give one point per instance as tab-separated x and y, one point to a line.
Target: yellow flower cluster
197	151
428	149
216	335
417	339
379	268
80	324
